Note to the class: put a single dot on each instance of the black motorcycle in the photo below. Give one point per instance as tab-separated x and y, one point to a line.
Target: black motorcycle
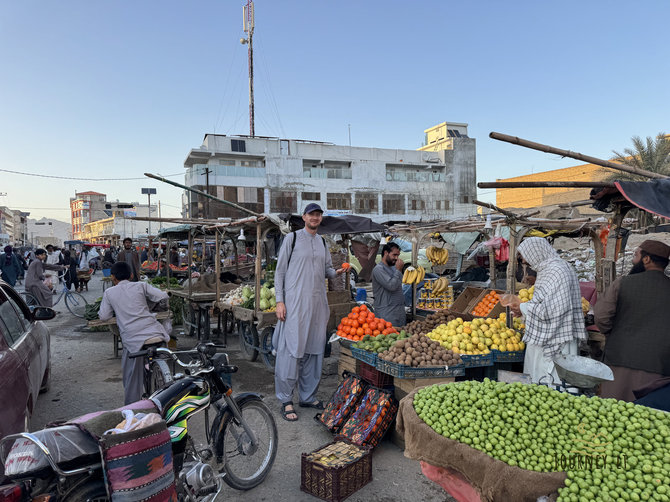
240	447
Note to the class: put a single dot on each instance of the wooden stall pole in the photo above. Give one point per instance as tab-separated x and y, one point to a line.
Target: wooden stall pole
217	265
415	263
167	263
257	268
190	262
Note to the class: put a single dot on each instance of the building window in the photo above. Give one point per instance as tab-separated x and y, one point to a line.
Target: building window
250	163
311	196
417	204
283	202
338	201
238	145
393	204
442	205
416	173
327	170
465	199
367	203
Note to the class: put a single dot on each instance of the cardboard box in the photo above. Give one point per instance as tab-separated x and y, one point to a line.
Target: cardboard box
465	299
495	312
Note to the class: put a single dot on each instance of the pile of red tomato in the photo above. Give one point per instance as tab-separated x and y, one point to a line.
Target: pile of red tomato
361	322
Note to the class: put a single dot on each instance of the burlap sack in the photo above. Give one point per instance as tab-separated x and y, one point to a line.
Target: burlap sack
495	480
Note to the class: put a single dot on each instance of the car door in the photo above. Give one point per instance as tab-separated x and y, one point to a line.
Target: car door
38	330
16	389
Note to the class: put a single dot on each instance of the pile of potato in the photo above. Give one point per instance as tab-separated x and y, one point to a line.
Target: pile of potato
419	351
431	322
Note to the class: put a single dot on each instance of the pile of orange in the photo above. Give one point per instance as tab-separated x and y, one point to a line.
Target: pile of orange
361	322
486	304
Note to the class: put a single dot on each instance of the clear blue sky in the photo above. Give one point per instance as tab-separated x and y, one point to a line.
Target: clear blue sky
115	89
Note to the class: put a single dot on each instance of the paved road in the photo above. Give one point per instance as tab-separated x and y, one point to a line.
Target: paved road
86	377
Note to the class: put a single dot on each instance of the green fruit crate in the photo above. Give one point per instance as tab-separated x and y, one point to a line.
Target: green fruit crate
365	356
476	361
514	356
402	371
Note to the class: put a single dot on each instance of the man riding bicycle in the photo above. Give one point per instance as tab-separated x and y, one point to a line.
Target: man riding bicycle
128	301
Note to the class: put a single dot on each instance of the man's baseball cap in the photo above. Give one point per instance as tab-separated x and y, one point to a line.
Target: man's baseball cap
311	207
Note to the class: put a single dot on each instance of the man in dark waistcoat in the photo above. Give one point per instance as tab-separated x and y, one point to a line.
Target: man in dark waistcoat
634	315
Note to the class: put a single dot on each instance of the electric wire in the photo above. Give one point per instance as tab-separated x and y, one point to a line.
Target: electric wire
82	179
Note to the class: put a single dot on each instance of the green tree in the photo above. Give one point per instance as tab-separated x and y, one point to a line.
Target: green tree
649	154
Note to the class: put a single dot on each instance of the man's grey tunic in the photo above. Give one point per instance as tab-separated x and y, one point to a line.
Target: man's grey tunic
300	339
387	289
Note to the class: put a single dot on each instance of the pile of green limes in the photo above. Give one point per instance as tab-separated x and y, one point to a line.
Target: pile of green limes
610	450
379	343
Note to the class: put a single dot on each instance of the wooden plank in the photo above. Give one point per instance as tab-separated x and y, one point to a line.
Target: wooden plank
336	297
346	363
243	314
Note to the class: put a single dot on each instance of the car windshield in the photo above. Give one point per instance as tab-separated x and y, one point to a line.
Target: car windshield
405	246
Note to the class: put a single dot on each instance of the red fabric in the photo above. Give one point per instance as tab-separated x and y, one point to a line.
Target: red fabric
588	290
452	482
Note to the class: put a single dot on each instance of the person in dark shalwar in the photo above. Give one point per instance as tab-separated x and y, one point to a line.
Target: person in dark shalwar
633	315
303	265
35	278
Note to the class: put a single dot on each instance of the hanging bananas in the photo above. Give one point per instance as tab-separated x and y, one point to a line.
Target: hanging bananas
437	256
413	275
440	286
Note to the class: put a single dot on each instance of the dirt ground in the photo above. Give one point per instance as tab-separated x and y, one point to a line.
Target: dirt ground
86	377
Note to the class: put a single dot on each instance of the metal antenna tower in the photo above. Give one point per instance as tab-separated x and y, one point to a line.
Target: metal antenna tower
248	26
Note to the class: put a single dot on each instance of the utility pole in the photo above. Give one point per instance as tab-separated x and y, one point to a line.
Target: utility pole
248	26
149	191
207	171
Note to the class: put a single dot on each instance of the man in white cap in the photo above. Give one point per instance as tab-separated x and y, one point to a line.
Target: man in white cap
634	315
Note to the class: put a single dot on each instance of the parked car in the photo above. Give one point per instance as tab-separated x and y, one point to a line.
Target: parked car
25	353
405	255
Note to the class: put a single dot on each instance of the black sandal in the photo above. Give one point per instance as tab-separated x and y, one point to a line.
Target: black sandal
285	413
317	405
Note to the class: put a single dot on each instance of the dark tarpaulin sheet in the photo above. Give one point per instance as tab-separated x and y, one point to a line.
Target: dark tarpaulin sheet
652	196
345	224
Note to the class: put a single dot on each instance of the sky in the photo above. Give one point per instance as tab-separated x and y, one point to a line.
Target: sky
111	90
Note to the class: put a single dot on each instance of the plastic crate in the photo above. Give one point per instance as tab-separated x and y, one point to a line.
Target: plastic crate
365	356
402	371
374	377
335	483
476	361
372	419
514	356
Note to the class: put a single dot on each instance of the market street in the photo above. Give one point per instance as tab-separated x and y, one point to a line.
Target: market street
86	377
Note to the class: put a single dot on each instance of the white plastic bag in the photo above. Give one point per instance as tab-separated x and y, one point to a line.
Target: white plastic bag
133	422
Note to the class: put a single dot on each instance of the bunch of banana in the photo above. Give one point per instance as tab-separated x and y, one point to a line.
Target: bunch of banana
440	286
413	275
437	256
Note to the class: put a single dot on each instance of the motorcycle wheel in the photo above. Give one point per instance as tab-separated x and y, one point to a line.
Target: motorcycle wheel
93	491
247	466
266	348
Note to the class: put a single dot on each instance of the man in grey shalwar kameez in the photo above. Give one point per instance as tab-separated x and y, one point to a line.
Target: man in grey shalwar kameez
35	278
299	339
387	286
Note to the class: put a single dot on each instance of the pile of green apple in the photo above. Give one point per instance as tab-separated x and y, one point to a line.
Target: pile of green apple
621	450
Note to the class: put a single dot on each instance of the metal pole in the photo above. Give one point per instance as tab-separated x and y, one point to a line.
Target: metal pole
252	129
574	155
200	192
257	265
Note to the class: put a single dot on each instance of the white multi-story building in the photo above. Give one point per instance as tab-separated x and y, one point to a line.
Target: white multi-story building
272	175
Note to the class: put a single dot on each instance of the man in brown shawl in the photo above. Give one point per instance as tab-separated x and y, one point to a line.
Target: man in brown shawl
634	315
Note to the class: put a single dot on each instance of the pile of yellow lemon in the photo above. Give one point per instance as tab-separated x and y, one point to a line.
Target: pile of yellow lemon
526	294
479	336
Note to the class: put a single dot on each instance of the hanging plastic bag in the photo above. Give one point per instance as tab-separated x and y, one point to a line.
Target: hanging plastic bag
133	422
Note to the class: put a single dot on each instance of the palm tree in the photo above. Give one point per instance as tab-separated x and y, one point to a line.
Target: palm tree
649	154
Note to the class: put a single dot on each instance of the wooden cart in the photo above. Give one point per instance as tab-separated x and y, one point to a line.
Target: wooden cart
114	329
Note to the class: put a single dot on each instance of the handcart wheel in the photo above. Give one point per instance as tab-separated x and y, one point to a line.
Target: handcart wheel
189	318
248	340
266	347
228	322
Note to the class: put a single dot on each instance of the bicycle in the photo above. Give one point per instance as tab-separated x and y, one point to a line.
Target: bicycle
75	302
